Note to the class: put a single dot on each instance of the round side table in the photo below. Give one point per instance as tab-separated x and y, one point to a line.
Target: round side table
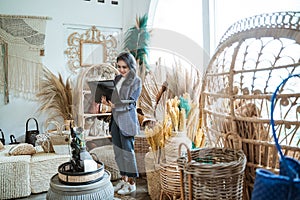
102	189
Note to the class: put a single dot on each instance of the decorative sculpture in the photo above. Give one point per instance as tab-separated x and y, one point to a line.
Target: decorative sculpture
79	153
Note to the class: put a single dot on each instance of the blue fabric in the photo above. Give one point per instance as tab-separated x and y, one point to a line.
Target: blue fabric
124	152
270	186
285	185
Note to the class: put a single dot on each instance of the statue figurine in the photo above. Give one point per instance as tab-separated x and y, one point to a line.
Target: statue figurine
79	152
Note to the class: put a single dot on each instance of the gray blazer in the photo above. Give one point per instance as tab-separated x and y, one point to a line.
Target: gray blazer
124	113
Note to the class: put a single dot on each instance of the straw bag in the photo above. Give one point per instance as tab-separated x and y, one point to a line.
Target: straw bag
61	142
285	185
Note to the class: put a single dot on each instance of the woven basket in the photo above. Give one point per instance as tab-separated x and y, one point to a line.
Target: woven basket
153	176
170	180
253	56
212	173
61	143
67	176
141	147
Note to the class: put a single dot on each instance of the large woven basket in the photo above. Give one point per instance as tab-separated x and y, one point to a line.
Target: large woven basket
141	147
212	173
153	176
254	55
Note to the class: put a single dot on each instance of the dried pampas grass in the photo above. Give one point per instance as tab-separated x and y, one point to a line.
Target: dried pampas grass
55	96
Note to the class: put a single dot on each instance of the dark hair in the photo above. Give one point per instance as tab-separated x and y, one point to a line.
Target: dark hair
129	59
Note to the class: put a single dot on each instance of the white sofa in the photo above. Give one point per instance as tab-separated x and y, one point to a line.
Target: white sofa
25	174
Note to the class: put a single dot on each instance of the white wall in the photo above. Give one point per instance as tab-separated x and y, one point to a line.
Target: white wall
78	12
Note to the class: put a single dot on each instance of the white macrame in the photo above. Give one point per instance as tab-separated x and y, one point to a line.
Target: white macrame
25	38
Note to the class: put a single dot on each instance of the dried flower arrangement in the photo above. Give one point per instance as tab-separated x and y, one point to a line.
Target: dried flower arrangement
181	116
55	96
155	96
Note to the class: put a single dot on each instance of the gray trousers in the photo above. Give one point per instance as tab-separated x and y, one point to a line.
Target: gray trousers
124	152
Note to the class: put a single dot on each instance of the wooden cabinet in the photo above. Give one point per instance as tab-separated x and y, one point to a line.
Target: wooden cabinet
84	99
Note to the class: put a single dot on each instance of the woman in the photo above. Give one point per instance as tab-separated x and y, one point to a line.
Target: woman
124	123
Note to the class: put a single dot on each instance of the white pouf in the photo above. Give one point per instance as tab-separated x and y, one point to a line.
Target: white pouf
43	166
15	175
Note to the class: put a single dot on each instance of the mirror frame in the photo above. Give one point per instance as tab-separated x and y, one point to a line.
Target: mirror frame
76	51
87	55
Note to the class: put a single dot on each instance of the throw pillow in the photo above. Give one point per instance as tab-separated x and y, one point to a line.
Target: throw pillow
1	146
22	149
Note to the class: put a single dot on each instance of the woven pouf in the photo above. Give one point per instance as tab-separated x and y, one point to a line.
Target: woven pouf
15	175
43	166
106	155
102	189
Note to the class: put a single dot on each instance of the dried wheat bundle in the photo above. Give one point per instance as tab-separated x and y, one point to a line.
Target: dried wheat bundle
55	96
148	95
157	135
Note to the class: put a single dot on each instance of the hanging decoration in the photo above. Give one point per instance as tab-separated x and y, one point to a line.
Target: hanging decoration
21	62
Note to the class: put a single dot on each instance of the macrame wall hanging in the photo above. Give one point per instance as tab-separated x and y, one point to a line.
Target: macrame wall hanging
22	45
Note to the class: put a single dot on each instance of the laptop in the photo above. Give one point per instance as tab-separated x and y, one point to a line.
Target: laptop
101	88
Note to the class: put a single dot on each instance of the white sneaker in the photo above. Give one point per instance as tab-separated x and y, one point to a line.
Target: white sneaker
127	189
119	185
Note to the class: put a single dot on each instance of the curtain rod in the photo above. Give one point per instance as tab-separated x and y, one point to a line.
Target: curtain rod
25	16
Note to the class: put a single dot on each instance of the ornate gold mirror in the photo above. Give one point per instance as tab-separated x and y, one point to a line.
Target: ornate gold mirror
89	48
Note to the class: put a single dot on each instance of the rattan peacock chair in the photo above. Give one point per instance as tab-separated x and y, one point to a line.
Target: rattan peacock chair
252	58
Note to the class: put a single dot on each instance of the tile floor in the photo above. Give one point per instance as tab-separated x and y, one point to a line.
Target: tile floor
140	194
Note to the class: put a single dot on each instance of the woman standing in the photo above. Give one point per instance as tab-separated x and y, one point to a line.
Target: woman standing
124	123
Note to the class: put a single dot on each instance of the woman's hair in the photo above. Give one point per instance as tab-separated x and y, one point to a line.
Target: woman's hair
129	59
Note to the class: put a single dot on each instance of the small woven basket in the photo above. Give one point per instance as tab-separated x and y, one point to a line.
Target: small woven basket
212	173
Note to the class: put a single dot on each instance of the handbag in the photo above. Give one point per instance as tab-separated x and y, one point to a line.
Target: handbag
286	184
13	140
2	139
30	135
